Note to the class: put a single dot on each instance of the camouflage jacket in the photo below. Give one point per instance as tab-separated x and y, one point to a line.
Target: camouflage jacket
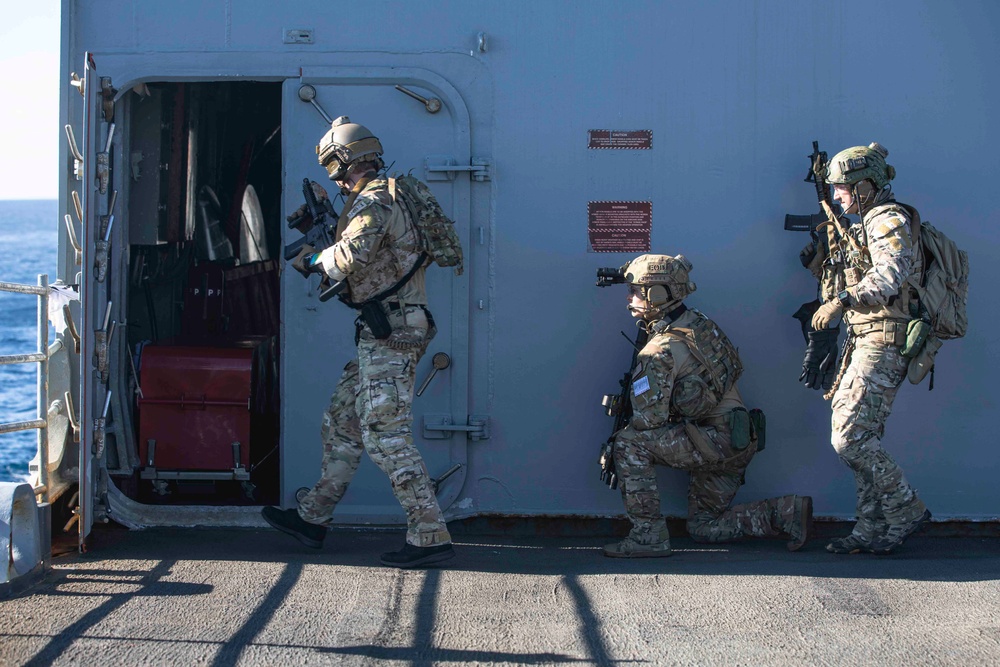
669	382
876	280
377	244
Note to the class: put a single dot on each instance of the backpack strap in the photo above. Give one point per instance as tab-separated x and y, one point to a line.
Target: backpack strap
410	208
686	336
914	223
914	281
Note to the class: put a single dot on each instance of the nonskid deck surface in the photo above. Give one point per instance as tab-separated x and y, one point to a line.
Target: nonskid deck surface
225	597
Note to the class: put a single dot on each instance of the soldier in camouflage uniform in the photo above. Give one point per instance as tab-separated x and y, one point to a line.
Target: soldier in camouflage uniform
688	414
865	281
377	248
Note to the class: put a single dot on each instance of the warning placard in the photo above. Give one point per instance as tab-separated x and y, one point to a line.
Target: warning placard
619	226
620	139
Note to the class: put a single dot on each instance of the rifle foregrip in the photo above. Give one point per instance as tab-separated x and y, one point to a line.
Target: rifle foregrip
333	291
293	248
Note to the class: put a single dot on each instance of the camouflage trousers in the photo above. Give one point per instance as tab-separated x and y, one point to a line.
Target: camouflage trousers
371	409
716	475
861	405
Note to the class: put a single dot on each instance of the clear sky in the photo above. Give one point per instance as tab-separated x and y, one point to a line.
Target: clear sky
29	104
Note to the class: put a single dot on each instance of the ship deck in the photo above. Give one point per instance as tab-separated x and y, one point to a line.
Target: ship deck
256	597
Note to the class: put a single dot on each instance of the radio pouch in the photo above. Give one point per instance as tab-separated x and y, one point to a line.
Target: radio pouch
374	316
758	426
739	426
916	337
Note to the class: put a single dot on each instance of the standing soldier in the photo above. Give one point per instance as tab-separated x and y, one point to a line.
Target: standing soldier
864	280
687	413
378	251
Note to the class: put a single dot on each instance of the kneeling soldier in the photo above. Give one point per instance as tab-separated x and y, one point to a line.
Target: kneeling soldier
687	413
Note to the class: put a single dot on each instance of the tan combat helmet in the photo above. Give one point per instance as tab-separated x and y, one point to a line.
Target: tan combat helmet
853	165
663	280
345	145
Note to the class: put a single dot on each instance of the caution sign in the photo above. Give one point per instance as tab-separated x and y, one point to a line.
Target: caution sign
620	139
619	226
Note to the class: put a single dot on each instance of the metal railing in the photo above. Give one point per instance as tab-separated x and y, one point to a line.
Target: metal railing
41	357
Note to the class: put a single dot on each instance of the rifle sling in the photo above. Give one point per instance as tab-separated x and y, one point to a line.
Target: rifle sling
833	220
392	290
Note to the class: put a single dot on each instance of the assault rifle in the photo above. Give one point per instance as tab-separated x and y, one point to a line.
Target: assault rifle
820	363
314	223
817	176
617	405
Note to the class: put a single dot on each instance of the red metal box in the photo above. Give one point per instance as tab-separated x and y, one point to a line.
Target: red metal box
195	404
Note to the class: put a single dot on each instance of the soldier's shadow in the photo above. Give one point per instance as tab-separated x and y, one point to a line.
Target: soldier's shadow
922	558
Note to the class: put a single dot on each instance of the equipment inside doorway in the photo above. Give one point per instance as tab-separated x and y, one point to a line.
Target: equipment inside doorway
203	199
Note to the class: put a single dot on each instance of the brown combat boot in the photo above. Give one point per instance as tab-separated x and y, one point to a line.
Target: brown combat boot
802	523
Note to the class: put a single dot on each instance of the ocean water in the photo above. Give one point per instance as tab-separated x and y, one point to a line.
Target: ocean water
27	248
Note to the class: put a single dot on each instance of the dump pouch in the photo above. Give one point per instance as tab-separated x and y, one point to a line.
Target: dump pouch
758	427
739	426
922	364
916	335
375	318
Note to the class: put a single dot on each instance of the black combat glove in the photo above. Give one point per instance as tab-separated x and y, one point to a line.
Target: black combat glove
819	367
609	471
303	261
301	213
808	254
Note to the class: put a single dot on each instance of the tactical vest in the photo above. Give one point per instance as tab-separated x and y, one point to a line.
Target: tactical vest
849	273
396	254
695	395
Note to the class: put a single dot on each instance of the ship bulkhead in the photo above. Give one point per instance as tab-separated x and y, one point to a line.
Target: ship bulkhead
561	137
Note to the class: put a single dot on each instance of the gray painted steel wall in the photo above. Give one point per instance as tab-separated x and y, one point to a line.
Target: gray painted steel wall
734	93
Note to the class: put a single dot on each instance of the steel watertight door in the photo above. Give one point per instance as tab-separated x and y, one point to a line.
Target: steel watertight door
97	322
423	128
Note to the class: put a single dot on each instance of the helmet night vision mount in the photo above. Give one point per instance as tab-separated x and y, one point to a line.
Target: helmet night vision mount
663	279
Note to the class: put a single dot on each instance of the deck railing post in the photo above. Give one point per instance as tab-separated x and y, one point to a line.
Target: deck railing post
43	386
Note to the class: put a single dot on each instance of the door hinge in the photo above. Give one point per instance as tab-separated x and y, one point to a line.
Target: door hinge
444	168
439	427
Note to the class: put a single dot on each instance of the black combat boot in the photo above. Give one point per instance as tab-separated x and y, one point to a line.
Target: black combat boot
852	544
411	556
289	521
896	534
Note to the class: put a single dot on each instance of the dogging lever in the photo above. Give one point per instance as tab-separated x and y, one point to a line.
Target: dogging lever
307	93
439	362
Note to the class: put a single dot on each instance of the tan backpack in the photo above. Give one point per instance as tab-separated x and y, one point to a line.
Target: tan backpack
943	284
436	230
942	288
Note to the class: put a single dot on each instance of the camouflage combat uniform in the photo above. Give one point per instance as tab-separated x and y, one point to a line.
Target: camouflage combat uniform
668	382
371	406
877	320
